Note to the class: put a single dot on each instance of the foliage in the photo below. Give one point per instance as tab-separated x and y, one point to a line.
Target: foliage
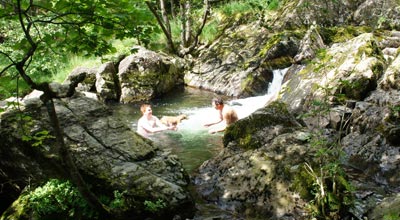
60	29
237	7
42	30
118	202
222	13
330	192
60	198
327	188
154	206
38	138
393	216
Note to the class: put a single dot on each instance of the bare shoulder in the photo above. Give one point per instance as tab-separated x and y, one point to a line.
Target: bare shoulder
229	115
228	110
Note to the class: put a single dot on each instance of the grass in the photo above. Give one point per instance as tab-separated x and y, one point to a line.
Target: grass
73	61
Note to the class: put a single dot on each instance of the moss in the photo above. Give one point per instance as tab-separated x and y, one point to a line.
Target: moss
339	34
244	131
278	63
270	43
303	184
278	38
244	83
20	209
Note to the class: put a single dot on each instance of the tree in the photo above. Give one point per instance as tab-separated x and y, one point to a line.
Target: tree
189	38
30	29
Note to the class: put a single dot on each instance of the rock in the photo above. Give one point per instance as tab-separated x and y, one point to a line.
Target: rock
109	155
241	65
146	75
350	69
387	209
88	85
256	183
369	13
391	79
107	85
303	13
309	45
271	121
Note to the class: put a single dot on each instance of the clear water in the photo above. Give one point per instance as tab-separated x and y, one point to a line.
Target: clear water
192	142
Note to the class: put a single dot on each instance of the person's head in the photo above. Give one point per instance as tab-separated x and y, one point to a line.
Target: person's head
217	102
145	108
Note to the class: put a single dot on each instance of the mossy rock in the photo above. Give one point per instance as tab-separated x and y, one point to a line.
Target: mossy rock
339	34
244	132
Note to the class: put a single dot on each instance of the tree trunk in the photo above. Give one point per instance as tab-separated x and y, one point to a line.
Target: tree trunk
183	22
70	167
172	2
165	16
188	23
69	164
168	34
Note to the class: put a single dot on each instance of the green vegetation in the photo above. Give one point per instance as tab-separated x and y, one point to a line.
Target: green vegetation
154	206
392	216
52	64
323	182
339	34
59	198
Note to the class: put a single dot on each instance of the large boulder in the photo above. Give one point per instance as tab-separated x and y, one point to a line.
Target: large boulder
241	64
89	75
146	74
254	175
140	76
351	69
373	13
109	155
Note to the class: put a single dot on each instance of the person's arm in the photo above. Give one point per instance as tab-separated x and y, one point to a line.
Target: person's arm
151	129
212	123
161	125
219	120
218	128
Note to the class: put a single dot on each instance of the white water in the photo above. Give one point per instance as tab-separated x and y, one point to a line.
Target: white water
244	107
251	104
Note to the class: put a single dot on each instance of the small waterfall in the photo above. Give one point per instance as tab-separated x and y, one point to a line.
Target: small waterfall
244	107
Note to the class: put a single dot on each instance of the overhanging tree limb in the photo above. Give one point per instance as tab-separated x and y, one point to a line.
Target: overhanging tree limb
166	31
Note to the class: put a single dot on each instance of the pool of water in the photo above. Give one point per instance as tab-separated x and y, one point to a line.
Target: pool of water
192	142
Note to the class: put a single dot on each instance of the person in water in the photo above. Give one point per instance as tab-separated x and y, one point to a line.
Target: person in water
149	123
226	116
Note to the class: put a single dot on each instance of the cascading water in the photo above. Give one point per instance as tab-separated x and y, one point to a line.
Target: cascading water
192	142
244	107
